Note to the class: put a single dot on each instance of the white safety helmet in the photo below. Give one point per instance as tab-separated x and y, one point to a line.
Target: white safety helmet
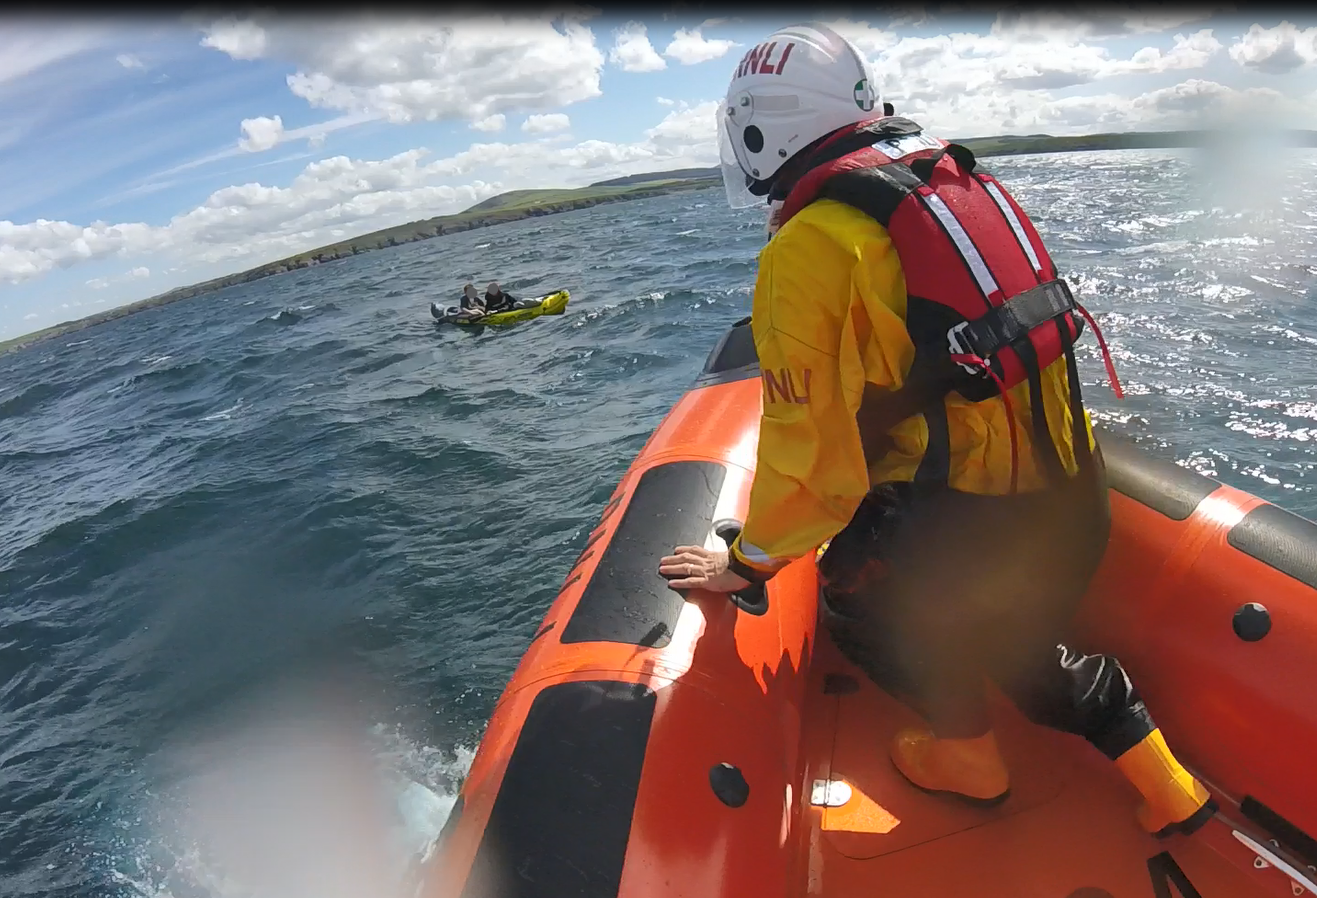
799	84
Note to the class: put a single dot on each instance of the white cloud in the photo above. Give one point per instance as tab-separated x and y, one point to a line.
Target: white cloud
29	316
546	124
261	133
689	47
868	40
999	82
129	61
257	223
1194	103
483	71
241	39
315	134
691	127
1198	103
26	48
1110	21
29	250
1192	52
247	219
1276	51
426	69
633	51
686	137
133	274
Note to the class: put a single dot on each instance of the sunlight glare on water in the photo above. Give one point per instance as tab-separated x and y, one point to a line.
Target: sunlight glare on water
201	501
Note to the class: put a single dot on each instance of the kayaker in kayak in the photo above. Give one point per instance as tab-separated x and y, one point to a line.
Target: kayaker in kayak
939	444
471	304
496	300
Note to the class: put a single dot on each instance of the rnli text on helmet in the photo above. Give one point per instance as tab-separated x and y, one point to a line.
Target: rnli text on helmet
759	61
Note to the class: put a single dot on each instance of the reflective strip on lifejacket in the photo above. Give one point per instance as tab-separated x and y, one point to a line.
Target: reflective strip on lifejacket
995	192
900	147
968	251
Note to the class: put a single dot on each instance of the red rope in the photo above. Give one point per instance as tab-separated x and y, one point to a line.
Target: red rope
1106	354
977	362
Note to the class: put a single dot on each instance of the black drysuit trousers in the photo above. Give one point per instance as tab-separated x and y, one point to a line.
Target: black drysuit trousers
973	587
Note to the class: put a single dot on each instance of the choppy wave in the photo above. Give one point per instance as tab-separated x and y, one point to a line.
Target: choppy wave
305	473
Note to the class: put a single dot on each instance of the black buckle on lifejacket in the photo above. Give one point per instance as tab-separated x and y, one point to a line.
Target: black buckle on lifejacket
958	345
1010	322
964	157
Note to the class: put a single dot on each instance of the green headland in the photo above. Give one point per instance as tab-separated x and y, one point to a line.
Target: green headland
520	204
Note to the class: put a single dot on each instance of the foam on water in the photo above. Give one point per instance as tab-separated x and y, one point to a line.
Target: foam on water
197	500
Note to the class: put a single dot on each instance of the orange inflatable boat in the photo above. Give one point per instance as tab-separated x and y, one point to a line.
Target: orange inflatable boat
655	746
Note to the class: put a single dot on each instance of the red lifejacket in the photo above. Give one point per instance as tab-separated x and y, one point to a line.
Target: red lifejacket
986	309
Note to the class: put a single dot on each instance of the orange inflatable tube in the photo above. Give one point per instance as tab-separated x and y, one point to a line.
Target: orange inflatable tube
654	745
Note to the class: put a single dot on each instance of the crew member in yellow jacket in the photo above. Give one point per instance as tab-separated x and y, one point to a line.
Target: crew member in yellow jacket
930	585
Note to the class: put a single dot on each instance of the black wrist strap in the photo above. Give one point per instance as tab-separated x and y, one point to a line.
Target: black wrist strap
744	571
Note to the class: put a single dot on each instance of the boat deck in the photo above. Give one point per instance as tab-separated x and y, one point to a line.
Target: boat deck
1067	830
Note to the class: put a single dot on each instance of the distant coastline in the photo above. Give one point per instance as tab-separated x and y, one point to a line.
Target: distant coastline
521	204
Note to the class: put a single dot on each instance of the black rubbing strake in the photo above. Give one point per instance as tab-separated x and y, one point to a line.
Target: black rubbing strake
734	356
1163	486
585	555
1279	538
609	509
562	818
735	349
1286	833
593	538
1251	622
627	600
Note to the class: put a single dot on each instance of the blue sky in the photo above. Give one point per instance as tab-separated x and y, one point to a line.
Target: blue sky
141	154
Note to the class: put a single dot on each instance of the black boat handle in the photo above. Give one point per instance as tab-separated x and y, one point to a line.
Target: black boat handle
752	599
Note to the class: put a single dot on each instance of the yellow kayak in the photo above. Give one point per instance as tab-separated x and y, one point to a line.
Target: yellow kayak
523	310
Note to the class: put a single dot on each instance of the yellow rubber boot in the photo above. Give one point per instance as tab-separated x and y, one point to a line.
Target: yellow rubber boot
971	769
1173	801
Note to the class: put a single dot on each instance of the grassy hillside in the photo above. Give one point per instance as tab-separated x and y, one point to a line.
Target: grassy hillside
513	206
681	173
519	204
1012	145
529	199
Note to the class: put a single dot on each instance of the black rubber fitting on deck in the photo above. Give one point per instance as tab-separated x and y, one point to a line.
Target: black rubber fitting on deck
1251	622
729	785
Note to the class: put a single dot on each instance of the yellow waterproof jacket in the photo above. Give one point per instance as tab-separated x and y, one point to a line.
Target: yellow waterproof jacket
828	315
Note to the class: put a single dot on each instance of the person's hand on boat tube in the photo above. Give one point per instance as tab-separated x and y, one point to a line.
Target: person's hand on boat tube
695	567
